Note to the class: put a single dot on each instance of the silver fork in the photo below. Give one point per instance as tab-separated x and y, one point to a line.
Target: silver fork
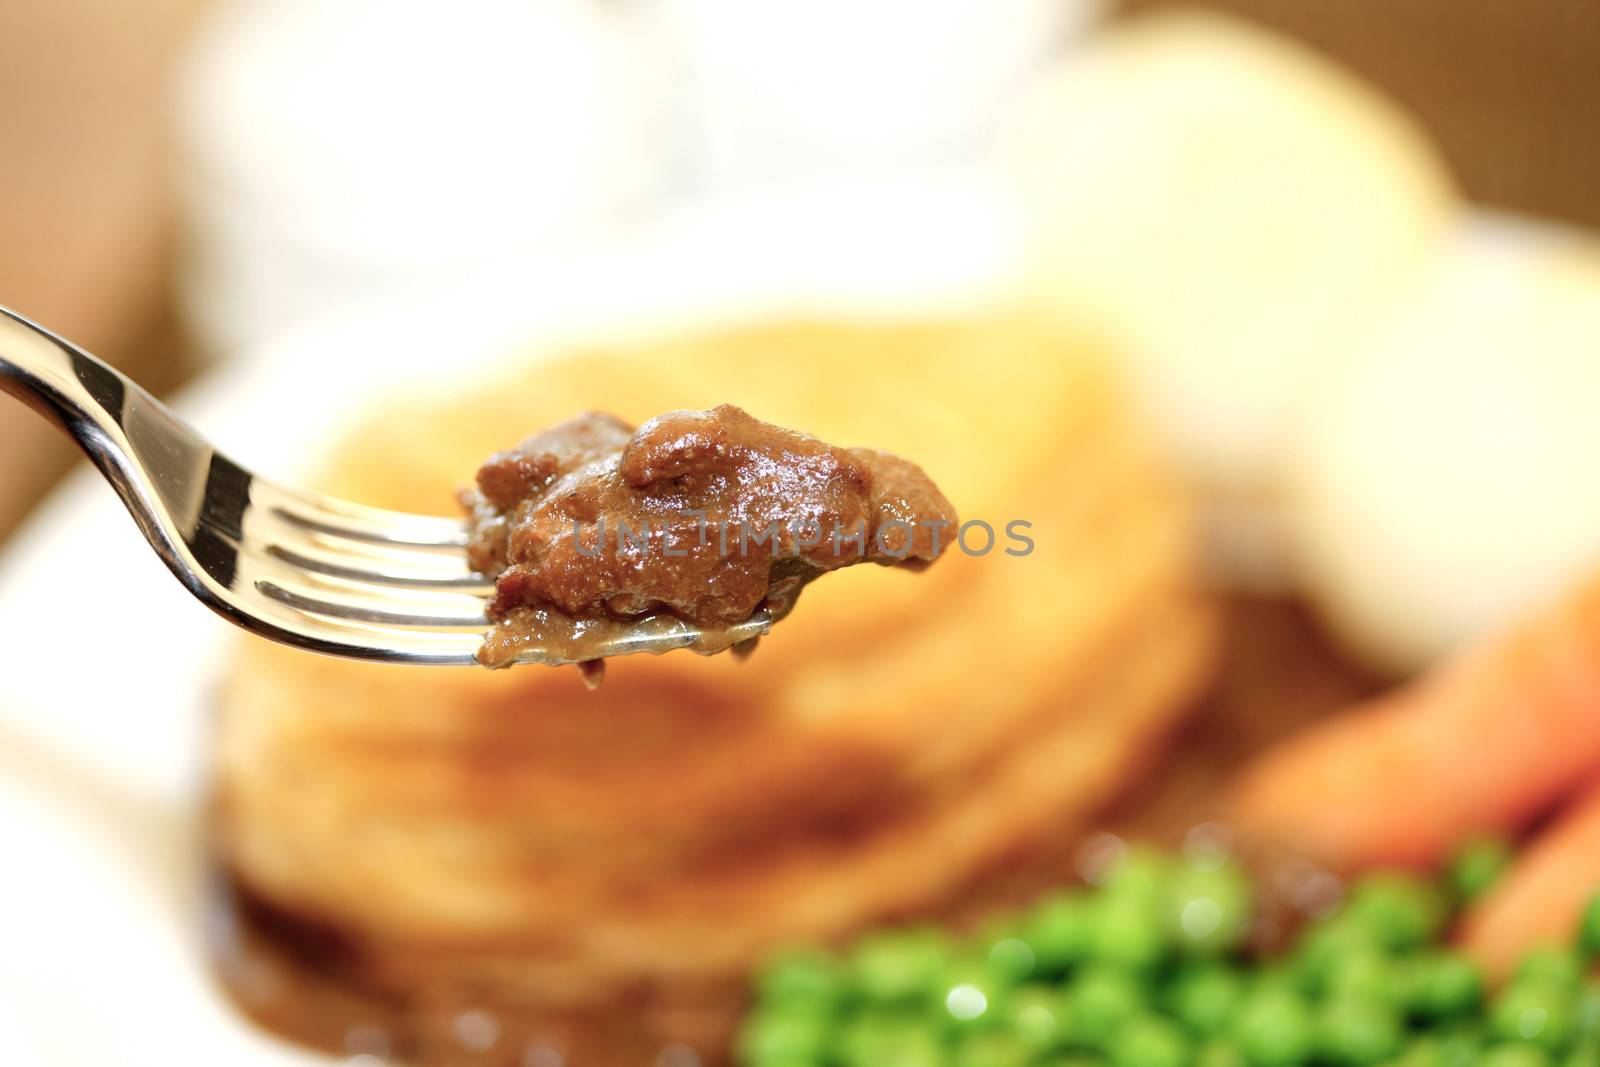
300	568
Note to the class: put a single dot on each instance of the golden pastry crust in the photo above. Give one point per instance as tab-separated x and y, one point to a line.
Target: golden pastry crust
520	843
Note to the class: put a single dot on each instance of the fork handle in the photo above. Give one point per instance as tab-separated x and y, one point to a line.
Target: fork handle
62	382
105	413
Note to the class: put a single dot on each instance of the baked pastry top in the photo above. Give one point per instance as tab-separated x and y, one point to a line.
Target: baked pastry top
514	843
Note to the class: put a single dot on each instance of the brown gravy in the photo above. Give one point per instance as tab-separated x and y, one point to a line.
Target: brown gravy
306	980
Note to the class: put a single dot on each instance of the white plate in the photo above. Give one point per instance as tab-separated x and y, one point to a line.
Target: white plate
107	662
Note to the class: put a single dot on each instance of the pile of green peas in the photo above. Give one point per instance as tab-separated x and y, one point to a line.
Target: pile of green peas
1149	968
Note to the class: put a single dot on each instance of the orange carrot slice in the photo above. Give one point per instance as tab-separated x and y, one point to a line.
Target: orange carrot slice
1481	745
1541	899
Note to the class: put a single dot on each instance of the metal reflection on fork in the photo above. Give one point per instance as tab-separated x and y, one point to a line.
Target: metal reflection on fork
297	567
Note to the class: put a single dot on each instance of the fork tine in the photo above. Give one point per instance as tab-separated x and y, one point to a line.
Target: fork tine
402	563
360	608
358	522
314	558
317	592
384	528
292	538
365	640
350	630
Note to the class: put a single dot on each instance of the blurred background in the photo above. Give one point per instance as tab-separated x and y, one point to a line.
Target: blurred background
236	145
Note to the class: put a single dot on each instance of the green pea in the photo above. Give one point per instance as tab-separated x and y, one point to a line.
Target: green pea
875	1040
1586	1015
1203	997
1142	875
1533	1012
1462	1047
898	965
1444	985
1274	1029
1441	1049
1128	932
1146	982
1400	911
1011	959
912	1049
1464	1039
852	1038
970	997
1219	1052
1514	1055
782	1038
1561	968
1355	1031
992	1049
1474	1029
1589	928
1040	1017
1102	999
1418	1053
1477	865
1367	973
1151	1041
1275	977
1060	932
1324	946
1209	909
799	977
